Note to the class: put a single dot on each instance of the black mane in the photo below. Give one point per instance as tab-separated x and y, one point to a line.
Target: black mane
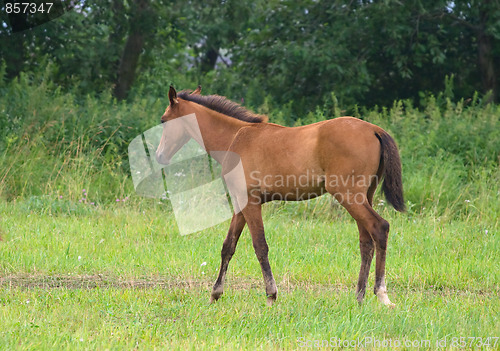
223	105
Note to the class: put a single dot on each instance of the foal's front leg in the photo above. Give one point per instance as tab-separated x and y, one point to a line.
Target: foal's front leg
228	248
253	216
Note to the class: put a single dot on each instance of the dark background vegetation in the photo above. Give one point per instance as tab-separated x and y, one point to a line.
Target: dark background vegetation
294	52
76	90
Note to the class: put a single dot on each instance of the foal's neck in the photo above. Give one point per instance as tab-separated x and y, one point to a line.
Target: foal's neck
218	130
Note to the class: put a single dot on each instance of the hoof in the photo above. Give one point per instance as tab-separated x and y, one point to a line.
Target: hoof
384	299
270	301
215	296
360	296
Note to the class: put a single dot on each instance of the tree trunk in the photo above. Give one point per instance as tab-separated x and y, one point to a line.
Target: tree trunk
485	55
15	55
209	60
116	37
128	65
487	66
131	53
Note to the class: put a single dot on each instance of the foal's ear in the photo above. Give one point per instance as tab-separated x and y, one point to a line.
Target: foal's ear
197	91
172	96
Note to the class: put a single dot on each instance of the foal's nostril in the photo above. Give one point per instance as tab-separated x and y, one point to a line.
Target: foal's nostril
160	159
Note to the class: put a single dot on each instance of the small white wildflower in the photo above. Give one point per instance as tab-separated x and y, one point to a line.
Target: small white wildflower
203	264
486	232
467	201
79	258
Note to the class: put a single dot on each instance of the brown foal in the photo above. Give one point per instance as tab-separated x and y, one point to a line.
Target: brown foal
345	156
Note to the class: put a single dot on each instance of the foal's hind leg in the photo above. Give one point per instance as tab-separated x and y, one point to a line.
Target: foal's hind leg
378	229
228	248
366	248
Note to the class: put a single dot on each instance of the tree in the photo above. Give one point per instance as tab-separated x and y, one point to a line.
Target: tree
140	27
96	45
482	19
369	52
297	53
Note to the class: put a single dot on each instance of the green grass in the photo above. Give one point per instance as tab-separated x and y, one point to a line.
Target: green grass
80	270
120	276
181	318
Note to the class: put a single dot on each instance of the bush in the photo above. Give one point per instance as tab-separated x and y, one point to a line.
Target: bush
52	141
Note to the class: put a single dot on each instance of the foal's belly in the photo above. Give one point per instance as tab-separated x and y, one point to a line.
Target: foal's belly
287	187
292	195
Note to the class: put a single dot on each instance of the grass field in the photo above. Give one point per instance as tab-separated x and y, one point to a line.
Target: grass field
121	277
80	270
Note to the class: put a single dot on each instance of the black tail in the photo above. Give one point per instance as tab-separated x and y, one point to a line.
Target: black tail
393	184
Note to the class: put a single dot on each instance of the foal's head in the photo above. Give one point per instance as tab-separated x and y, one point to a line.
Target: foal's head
181	115
179	131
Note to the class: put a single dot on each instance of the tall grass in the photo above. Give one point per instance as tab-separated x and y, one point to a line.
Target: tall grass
50	143
450	155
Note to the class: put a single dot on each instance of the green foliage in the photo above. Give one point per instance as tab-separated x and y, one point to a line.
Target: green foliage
296	52
53	142
365	52
88	41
